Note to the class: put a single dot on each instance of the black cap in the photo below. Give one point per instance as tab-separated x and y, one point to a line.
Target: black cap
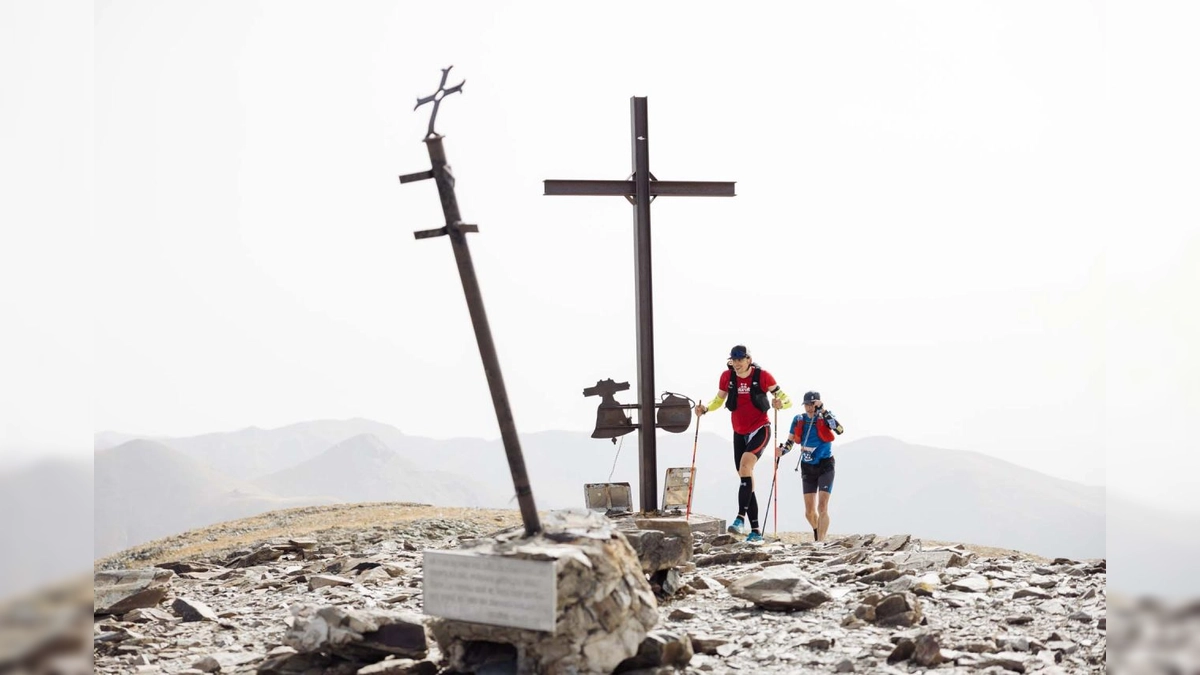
810	396
738	352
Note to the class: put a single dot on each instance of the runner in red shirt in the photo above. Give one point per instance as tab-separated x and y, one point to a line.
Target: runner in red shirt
751	427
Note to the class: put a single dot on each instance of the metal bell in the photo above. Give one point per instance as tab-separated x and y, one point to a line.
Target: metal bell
674	413
611	421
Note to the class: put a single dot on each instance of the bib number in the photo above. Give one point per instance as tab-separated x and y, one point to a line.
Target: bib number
806	454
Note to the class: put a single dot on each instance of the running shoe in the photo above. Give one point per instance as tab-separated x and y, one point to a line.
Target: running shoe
738	526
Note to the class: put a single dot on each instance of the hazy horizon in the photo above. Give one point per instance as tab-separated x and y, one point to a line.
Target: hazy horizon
600	442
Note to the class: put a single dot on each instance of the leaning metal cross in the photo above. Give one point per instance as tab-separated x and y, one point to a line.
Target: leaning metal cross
456	230
640	190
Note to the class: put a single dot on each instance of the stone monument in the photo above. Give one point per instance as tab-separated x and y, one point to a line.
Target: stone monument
602	610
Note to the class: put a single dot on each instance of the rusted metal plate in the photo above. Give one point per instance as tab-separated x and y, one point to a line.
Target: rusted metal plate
675	490
608	497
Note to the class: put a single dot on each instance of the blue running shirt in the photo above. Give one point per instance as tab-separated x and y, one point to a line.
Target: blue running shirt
820	449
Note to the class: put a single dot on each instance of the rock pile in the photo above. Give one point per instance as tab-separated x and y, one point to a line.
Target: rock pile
351	604
604	603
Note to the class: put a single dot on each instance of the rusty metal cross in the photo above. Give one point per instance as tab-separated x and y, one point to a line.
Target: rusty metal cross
437	97
640	189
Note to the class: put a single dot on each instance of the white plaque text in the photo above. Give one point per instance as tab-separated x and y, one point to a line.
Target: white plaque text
491	589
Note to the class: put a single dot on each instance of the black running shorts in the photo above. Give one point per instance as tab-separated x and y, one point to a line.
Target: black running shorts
752	443
817	476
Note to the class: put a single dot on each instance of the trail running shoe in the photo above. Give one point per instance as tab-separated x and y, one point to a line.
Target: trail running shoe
738	526
754	538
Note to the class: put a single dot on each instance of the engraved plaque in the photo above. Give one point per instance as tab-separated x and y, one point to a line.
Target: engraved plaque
491	589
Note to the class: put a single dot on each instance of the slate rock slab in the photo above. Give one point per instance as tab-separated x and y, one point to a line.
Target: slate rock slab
354	631
780	587
119	591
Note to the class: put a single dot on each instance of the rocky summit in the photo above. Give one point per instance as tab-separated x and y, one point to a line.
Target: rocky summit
349	600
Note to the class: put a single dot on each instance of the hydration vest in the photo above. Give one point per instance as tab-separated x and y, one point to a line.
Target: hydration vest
757	395
824	431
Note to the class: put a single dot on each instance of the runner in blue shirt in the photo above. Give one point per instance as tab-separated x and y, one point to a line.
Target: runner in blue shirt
813	430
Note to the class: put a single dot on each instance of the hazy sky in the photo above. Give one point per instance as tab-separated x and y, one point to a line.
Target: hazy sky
46	256
925	197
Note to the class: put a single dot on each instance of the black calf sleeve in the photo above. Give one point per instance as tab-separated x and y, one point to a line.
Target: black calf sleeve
753	512
744	494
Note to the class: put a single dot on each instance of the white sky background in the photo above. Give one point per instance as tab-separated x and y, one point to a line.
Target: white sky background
46	252
923	196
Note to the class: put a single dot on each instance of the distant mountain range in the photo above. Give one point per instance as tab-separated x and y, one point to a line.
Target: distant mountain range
253	452
145	490
151	488
363	469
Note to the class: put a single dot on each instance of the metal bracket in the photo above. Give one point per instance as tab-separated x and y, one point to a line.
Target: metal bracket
413	177
423	175
630	198
442	231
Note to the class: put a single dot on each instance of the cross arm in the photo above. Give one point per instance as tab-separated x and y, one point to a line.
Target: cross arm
695	188
588	187
442	231
626	188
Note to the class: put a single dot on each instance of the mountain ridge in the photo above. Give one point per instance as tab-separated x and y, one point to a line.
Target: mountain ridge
145	489
364	468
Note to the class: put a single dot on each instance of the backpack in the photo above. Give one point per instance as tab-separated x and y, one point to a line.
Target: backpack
757	395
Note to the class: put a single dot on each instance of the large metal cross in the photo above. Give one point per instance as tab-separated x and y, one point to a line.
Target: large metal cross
641	188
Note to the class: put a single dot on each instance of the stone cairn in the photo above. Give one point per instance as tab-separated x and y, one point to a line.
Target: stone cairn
605	606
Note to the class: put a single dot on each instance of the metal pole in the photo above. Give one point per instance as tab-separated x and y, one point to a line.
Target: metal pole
647	445
483	334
